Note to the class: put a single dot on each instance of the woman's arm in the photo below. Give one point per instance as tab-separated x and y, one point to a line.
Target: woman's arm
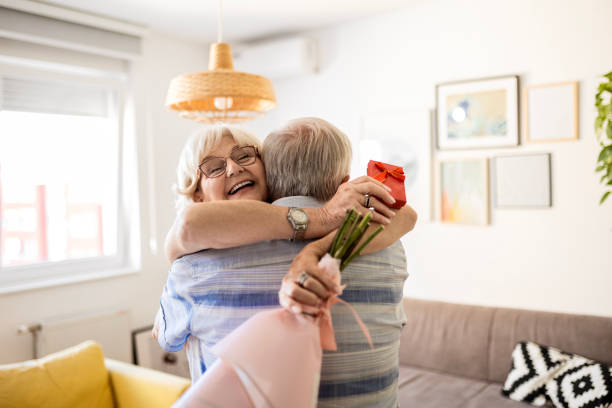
225	224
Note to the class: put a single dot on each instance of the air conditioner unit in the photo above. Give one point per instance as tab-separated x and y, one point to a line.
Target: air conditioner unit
277	59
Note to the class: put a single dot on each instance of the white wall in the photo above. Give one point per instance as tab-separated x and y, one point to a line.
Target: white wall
557	259
160	136
554	259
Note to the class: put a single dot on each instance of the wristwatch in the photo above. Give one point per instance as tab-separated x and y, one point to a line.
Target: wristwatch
299	221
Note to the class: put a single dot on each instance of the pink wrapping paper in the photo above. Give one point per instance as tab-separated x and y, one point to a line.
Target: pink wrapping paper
273	360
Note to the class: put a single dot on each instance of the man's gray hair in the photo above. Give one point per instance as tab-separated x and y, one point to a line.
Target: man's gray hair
308	157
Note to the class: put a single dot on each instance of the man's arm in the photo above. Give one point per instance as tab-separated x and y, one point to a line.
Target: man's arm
226	224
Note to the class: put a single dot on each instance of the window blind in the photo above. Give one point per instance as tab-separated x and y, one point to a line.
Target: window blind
40	29
34	55
53	96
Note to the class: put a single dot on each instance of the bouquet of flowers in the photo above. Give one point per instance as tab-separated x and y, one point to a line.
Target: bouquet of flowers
274	358
344	248
349	235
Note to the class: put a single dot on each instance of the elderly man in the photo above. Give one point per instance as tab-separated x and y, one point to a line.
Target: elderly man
305	162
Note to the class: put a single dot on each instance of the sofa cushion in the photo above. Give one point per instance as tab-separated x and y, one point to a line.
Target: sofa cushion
428	389
491	397
75	377
589	336
447	337
135	386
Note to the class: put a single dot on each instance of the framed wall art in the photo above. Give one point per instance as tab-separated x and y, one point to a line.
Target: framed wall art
477	113
551	112
522	181
464	191
402	138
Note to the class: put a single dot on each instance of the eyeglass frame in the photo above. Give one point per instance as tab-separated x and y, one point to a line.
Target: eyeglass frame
200	171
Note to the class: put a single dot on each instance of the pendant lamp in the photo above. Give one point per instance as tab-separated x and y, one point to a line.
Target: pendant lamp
220	94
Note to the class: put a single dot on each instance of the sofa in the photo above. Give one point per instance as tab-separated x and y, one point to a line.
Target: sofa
455	355
81	377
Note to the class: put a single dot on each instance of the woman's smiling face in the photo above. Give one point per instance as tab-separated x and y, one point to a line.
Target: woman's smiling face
246	182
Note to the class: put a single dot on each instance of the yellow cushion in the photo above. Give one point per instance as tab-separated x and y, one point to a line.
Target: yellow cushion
137	387
75	377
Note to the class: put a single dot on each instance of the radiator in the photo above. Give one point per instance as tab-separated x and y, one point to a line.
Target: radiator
111	329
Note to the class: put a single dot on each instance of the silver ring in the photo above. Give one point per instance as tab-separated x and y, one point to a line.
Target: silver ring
302	278
366	204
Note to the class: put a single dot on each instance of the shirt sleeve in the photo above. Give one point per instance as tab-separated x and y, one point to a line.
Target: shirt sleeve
175	309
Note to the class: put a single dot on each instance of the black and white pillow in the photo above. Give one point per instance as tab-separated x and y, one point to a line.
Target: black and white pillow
581	383
541	373
533	366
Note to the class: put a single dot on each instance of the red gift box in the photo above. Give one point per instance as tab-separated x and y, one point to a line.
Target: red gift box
391	176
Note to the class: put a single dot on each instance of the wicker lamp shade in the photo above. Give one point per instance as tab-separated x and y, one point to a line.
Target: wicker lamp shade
220	94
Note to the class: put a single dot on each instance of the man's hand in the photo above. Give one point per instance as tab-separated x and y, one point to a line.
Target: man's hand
308	297
352	195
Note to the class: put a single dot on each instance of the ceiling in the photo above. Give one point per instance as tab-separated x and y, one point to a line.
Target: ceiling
243	20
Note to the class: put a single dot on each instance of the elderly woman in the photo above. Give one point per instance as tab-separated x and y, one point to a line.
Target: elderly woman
222	192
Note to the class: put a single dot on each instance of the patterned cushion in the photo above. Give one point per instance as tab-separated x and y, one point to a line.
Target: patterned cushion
581	383
533	366
541	373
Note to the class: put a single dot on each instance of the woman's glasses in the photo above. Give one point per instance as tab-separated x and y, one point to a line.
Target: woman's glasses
213	167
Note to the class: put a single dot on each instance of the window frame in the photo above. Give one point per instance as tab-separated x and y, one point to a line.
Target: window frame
53	273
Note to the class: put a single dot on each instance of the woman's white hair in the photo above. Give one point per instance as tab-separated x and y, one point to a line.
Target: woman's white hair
198	146
308	156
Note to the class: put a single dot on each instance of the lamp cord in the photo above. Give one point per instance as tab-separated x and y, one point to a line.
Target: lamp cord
219	24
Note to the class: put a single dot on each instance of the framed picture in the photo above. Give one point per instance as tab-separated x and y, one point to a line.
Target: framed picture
551	111
522	181
478	113
464	188
402	138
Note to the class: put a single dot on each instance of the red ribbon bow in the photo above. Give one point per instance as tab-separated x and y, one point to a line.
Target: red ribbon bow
397	173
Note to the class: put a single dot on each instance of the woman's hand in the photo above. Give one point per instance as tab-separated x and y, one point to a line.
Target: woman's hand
307	297
352	195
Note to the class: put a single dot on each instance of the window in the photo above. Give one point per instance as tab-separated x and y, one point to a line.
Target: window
68	182
59	145
60	190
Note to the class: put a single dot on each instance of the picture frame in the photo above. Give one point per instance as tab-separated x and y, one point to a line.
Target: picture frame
480	113
522	181
402	138
464	191
551	112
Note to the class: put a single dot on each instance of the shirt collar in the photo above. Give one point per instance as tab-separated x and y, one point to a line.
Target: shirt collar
299	201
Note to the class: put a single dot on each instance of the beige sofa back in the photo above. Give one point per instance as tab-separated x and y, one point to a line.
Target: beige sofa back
477	341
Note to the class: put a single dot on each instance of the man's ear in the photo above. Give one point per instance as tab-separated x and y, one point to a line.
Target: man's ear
345	179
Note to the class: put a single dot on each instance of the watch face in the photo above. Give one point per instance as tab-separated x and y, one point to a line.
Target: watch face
299	216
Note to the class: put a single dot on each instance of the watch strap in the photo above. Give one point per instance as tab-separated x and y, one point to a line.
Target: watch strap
298	234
